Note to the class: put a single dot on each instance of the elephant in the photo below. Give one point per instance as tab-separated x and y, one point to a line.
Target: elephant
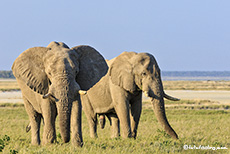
118	95
51	79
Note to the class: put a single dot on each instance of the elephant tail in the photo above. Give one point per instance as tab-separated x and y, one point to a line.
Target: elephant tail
28	128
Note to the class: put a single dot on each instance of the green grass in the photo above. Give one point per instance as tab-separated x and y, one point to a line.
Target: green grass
194	127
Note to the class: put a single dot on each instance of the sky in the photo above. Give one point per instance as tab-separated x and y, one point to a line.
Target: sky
183	35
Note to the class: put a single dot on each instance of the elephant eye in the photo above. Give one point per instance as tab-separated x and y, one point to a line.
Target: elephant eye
143	73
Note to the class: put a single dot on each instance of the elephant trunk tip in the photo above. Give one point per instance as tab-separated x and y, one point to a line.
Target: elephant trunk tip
169	130
174	135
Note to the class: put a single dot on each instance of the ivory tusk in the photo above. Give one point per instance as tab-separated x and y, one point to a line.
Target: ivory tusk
82	92
170	97
46	96
146	93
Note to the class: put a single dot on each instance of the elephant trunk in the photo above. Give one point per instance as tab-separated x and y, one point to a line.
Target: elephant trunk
64	112
64	97
159	110
64	102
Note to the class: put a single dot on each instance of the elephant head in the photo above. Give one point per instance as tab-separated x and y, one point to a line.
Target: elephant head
58	73
140	71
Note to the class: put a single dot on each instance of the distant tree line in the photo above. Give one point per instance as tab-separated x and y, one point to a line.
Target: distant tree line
7	74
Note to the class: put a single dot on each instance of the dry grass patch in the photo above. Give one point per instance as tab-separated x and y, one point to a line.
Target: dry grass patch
196	85
8	85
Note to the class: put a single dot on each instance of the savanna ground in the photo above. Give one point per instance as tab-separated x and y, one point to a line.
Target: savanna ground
197	123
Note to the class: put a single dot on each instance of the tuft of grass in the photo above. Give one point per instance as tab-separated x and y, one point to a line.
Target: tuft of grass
5	141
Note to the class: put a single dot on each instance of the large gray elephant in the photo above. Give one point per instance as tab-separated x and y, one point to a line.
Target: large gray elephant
50	79
119	92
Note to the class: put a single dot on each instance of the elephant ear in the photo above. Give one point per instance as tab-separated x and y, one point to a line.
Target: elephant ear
92	66
29	67
121	71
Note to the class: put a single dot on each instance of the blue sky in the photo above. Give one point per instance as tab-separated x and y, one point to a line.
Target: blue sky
183	35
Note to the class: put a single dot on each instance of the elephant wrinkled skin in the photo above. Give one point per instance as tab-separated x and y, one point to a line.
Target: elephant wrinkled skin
119	93
50	79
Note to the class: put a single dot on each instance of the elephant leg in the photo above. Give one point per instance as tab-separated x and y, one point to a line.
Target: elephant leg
90	115
136	108
115	125
76	124
35	121
92	120
49	112
122	110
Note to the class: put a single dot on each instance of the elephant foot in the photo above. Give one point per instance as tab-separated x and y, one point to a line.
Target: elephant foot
77	143
93	135
35	143
116	136
126	135
76	140
134	135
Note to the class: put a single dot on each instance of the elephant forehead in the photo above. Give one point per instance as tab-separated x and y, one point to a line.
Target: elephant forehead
58	53
142	59
60	61
57	45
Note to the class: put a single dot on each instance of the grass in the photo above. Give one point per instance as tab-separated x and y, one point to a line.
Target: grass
7	85
197	122
194	127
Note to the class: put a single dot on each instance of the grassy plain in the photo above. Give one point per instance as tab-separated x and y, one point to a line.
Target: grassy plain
197	123
194	127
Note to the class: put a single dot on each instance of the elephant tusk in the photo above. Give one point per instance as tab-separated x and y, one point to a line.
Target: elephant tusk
170	97
82	92
146	93
46	96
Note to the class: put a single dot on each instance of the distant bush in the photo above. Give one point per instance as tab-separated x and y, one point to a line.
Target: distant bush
7	74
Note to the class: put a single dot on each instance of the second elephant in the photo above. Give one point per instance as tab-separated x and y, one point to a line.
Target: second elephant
119	92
